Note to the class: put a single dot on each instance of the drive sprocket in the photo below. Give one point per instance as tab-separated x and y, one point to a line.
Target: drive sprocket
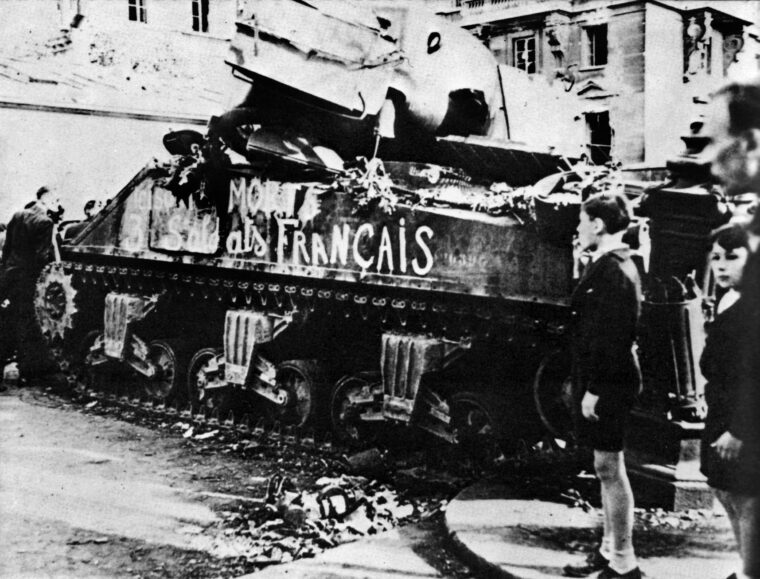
54	301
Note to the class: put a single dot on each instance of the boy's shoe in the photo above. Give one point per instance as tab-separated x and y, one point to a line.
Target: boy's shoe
609	573
593	562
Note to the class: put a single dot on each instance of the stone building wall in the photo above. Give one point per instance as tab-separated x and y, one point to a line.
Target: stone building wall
624	76
668	108
644	85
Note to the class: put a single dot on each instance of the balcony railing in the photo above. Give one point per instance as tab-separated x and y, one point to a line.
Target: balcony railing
474	6
484	4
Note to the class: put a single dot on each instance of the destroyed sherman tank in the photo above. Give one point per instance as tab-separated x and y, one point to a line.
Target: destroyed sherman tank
356	242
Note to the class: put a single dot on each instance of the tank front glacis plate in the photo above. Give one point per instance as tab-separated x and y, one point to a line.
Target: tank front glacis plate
303	231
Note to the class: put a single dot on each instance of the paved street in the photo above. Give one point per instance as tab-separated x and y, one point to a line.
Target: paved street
392	554
83	495
526	538
87	496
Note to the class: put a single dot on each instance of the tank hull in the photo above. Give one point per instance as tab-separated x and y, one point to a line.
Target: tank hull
338	287
305	233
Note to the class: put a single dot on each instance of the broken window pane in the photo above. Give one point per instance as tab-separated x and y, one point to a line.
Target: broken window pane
524	53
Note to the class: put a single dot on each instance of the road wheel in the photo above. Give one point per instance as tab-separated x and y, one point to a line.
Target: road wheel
480	425
206	388
553	394
302	383
82	370
85	373
165	385
351	396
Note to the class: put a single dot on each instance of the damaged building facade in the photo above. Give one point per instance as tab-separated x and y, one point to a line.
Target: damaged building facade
78	76
641	69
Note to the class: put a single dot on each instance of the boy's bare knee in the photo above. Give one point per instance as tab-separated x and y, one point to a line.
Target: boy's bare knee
608	465
605	471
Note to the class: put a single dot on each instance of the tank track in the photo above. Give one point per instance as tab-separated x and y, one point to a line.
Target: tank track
243	426
460	317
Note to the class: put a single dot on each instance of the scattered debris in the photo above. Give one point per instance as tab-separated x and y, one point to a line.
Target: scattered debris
575	499
292	524
190	530
336	502
439	479
367	461
206	435
685	520
88	541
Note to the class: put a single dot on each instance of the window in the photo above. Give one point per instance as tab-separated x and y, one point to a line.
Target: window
599	137
524	53
595	45
137	12
200	15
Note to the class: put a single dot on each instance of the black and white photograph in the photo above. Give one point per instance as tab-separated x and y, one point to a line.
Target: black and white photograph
380	289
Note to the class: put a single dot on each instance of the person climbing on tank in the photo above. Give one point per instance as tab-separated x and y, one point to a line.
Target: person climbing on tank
733	126
91	208
605	306
28	248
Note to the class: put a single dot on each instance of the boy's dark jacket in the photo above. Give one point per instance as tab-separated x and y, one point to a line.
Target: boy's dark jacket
745	422
605	307
731	364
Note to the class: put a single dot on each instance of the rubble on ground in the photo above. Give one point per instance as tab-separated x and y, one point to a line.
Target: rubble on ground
290	523
376	489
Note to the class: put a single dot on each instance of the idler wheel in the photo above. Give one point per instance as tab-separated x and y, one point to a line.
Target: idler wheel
165	383
206	388
302	384
351	396
553	394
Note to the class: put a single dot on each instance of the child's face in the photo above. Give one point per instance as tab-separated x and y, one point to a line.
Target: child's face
727	265
587	234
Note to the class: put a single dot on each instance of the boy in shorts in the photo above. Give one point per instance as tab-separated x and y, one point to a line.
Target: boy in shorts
606	305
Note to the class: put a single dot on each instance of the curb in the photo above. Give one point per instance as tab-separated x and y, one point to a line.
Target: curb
492	532
482	566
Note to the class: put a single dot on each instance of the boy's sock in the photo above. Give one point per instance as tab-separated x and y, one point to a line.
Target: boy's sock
605	548
623	561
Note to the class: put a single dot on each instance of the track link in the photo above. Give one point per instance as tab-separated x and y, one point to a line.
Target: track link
244	425
459	318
